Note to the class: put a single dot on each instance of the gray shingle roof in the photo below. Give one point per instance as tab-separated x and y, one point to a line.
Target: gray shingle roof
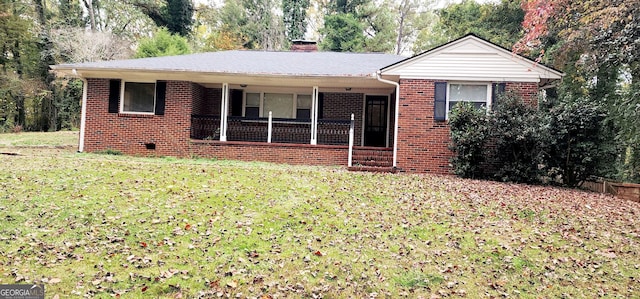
255	63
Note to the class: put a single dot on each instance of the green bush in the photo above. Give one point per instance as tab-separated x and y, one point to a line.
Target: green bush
469	133
517	134
565	143
576	146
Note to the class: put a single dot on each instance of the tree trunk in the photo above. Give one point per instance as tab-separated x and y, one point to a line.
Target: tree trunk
88	4
400	32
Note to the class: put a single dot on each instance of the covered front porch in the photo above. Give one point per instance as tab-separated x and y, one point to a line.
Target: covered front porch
241	121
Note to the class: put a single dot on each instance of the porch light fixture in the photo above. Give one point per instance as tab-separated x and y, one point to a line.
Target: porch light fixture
243	85
348	89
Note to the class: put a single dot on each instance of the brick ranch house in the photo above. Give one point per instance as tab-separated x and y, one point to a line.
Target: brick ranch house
363	110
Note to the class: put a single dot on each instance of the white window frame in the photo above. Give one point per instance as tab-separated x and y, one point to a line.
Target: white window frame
488	98
122	88
263	113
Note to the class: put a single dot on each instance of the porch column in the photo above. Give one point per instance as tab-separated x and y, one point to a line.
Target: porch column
224	111
314	116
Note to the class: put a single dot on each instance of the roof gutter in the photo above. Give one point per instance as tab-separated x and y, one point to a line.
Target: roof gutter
395	122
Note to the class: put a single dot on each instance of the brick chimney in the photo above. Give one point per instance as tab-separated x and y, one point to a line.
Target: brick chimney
304	46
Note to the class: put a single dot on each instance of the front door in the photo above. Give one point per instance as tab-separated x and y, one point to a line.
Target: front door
375	121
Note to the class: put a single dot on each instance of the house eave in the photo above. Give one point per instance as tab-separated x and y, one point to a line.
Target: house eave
209	78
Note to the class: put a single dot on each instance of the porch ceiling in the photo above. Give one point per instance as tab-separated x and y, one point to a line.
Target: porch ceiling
216	79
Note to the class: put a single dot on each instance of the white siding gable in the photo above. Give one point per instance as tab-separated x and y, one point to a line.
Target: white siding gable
471	59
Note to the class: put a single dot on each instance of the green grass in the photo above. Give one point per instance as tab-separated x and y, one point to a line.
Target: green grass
100	225
40	139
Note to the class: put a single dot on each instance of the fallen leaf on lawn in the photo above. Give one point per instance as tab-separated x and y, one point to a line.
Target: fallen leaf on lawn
143	244
144	288
54	280
318	253
187	227
232	284
608	254
214	284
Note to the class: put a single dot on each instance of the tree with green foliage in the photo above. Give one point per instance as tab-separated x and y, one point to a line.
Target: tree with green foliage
500	23
346	6
342	33
175	15
163	43
379	27
295	18
411	17
356	26
599	52
264	29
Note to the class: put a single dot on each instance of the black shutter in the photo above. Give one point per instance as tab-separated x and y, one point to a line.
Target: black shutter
236	102
161	94
440	101
497	89
114	96
320	105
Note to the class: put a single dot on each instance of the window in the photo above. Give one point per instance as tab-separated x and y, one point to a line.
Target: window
447	95
138	97
476	94
281	105
303	107
252	106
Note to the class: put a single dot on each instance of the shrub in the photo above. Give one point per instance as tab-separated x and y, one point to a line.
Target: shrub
567	143
576	147
517	135
468	136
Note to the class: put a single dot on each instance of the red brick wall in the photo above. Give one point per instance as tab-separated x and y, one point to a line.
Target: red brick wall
129	133
422	141
299	154
213	101
341	106
198	104
207	101
527	90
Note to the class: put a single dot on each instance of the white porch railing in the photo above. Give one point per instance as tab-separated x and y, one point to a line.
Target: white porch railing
351	129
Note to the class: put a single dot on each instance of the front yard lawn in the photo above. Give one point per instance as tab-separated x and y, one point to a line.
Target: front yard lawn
89	225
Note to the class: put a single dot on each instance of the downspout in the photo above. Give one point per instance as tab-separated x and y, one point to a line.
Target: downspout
83	117
395	122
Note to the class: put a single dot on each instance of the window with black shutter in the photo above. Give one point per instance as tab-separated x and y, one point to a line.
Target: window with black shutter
137	97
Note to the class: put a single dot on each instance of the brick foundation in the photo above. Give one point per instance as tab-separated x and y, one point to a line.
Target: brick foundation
296	154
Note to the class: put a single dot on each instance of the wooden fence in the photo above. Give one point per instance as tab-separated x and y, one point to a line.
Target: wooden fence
622	190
